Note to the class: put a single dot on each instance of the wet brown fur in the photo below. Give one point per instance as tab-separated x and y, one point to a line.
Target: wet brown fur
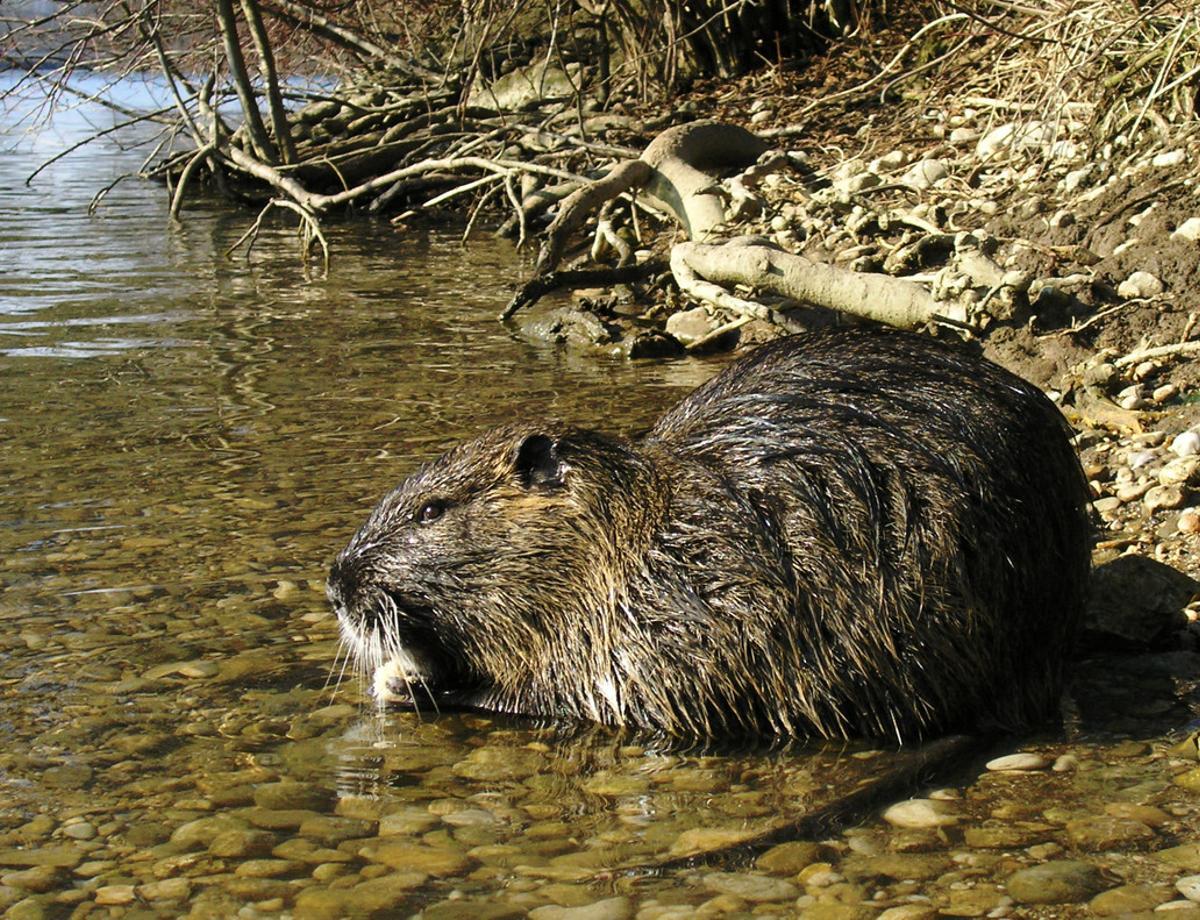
854	532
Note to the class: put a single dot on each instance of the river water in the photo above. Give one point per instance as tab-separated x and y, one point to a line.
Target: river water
188	438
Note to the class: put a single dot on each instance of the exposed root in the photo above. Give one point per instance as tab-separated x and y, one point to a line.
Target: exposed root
701	268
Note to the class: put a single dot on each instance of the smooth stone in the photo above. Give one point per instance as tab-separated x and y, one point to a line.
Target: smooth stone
31	908
270	868
974	902
238	844
169	889
459	909
1140	284
441	862
1106	832
1148	815
1188	230
203	831
789	858
908	912
1019	761
1169	158
332	831
690	326
408	822
1160	497
925	174
919	813
896	866
752	888
70	776
1059	882
68	857
288	796
272	820
1127	899
699	840
1189	780
81	830
620	908
1189	887
1179	471
38	879
115	895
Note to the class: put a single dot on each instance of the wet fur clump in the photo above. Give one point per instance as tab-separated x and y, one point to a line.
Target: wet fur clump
853	532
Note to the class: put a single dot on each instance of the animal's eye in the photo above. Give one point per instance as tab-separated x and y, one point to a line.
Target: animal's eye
430	511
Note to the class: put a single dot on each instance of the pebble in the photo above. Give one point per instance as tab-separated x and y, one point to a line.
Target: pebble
1186	444
1189	887
1059	882
169	889
1160	497
1106	832
1020	761
1061	219
1067	763
1190	780
919	813
620	908
1185	856
1179	471
789	858
1168	159
80	830
408	822
1146	814
1140	284
237	844
37	879
441	862
753	888
1188	230
699	840
115	895
1165	392
690	326
1189	521
285	796
908	912
925	174
1127	899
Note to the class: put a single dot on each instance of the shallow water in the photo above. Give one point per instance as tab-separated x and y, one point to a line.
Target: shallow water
189	438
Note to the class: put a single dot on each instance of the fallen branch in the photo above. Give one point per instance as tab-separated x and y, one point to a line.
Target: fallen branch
538	287
701	268
1160	351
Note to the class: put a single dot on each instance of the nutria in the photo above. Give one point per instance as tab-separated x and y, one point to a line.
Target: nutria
852	532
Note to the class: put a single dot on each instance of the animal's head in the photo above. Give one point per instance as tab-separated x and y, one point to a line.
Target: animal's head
477	577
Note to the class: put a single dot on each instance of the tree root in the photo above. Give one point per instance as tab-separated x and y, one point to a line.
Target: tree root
677	171
700	269
539	286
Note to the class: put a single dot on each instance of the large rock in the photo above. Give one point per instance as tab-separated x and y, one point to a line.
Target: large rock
1136	602
526	88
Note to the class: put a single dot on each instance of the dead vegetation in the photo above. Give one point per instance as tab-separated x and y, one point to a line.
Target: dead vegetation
541	118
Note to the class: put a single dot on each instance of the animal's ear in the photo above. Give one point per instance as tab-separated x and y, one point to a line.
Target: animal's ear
538	463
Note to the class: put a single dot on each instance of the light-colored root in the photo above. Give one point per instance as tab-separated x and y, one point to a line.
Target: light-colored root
704	271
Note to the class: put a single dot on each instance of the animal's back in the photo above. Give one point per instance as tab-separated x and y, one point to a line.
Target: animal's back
933	511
